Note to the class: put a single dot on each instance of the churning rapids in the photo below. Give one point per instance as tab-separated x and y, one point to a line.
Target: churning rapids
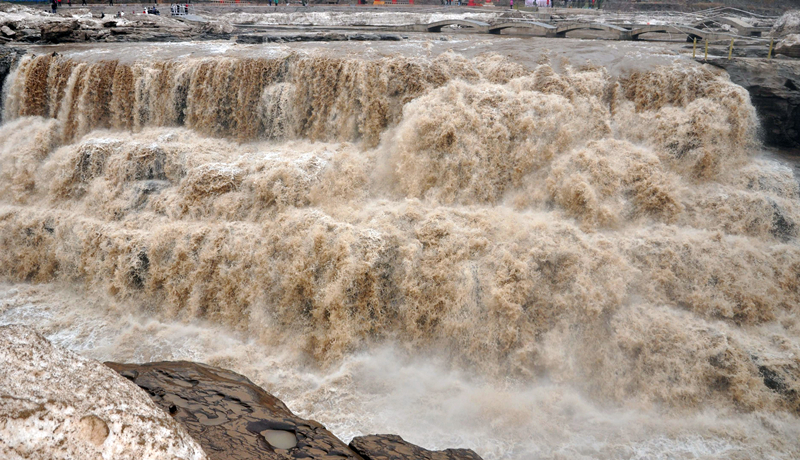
528	260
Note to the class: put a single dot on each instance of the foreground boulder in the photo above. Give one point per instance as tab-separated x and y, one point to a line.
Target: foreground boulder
789	46
55	404
774	87
393	447
230	416
234	419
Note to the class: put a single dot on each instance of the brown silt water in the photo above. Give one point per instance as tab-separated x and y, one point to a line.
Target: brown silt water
545	259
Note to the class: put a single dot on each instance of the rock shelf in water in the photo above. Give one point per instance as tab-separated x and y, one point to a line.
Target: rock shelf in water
229	415
232	418
55	404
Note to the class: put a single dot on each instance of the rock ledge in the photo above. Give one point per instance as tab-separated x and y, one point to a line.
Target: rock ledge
232	418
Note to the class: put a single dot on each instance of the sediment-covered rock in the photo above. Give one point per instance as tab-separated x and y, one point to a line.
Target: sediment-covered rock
230	416
789	46
393	447
55	404
774	87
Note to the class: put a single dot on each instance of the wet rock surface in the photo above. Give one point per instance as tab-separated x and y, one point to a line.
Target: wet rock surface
783	378
393	447
8	59
230	416
774	87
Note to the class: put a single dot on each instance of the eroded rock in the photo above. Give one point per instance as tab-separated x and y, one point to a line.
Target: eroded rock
789	46
393	447
774	87
22	24
230	416
58	32
787	24
55	405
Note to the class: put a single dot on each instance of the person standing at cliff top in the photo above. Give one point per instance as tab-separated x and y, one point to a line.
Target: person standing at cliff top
53	6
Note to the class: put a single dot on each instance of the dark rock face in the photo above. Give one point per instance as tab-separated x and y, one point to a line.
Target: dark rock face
783	379
233	419
8	59
230	416
774	87
393	447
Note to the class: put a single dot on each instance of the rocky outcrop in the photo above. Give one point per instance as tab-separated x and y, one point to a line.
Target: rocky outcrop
56	405
787	24
789	46
231	417
58	32
393	447
234	419
19	24
774	87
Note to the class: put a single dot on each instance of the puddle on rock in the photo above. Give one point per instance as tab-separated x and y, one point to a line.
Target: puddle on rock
280	439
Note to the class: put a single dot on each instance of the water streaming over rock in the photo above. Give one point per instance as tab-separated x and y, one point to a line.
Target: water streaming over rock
619	236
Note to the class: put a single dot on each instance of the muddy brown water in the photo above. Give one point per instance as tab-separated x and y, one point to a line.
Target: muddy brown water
533	248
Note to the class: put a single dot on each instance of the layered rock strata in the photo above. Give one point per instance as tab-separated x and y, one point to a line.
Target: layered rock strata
393	447
789	46
19	24
230	416
234	419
